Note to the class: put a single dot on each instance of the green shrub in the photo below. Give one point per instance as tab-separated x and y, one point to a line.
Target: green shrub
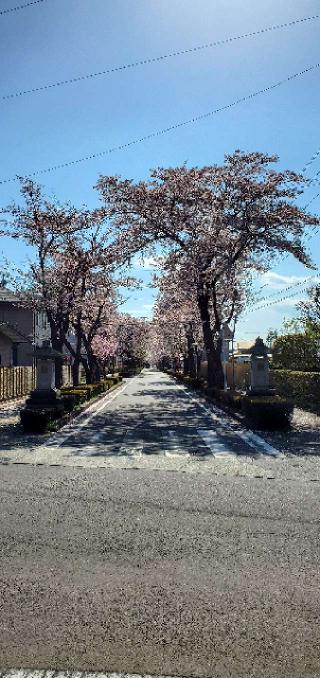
36	421
111	381
296	352
80	395
69	402
230	398
267	412
303	388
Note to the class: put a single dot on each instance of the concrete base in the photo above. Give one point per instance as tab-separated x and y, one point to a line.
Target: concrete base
261	392
45	399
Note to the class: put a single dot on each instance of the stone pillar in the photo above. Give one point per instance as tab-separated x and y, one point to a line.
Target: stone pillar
259	369
45	394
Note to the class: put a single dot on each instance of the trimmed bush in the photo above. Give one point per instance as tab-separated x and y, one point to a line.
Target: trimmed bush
36	421
231	398
69	402
303	388
267	412
111	381
79	395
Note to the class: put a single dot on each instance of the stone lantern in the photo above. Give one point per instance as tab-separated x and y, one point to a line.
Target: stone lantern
45	395
259	370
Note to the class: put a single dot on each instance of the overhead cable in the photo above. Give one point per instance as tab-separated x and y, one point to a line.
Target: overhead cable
152	60
166	130
284	289
27	4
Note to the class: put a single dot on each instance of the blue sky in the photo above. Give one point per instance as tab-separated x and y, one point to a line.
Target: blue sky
61	39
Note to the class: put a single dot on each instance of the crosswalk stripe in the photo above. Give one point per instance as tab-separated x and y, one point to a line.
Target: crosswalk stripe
173	445
215	444
131	447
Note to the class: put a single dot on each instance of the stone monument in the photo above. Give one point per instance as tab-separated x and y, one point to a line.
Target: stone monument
259	370
45	395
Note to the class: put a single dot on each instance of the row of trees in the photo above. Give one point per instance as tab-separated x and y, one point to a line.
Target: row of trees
213	226
216	226
75	278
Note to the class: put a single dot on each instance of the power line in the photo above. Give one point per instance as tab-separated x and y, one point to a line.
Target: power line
166	130
311	161
277	301
28	4
152	60
284	289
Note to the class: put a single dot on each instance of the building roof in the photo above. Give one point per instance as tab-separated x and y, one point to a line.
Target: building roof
13	333
7	295
244	344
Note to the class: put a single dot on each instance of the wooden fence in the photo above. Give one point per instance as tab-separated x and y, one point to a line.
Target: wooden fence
16	382
238	376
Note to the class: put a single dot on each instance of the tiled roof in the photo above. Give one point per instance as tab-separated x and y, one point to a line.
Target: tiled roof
7	295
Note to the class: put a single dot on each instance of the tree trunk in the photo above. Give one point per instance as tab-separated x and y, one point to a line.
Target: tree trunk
75	371
215	372
57	345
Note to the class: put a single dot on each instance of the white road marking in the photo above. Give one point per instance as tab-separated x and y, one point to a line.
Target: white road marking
252	439
75	674
174	445
214	443
93	409
131	447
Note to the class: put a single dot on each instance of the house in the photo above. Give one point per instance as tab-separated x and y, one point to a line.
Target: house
16	331
244	347
20	329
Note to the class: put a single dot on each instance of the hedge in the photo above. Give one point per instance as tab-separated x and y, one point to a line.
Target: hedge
303	388
267	412
296	352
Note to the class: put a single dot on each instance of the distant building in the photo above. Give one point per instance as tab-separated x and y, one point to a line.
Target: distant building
244	347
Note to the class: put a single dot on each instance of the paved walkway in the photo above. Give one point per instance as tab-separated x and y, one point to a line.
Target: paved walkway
151	422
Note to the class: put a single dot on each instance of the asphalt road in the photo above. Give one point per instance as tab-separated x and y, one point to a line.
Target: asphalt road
157	571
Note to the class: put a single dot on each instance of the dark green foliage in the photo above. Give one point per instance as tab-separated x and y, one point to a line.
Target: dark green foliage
230	398
36	421
69	402
111	381
303	388
267	412
296	352
79	394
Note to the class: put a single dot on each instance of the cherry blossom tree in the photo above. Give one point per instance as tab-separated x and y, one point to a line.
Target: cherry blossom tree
220	222
72	274
133	340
